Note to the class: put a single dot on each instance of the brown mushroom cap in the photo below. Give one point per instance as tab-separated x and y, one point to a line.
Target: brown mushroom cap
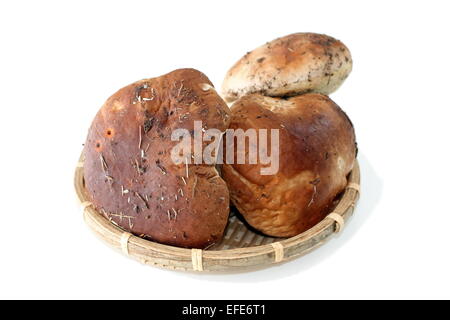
130	175
291	65
317	152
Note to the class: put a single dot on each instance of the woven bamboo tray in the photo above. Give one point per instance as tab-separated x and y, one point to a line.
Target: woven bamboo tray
241	249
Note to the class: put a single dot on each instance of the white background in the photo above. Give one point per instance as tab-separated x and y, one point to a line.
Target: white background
59	61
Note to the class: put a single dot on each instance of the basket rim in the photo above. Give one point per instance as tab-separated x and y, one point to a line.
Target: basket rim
104	226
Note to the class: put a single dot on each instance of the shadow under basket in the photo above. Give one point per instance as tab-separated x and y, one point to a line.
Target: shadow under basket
241	249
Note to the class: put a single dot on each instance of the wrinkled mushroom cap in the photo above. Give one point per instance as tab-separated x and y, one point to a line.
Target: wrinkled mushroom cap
316	153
